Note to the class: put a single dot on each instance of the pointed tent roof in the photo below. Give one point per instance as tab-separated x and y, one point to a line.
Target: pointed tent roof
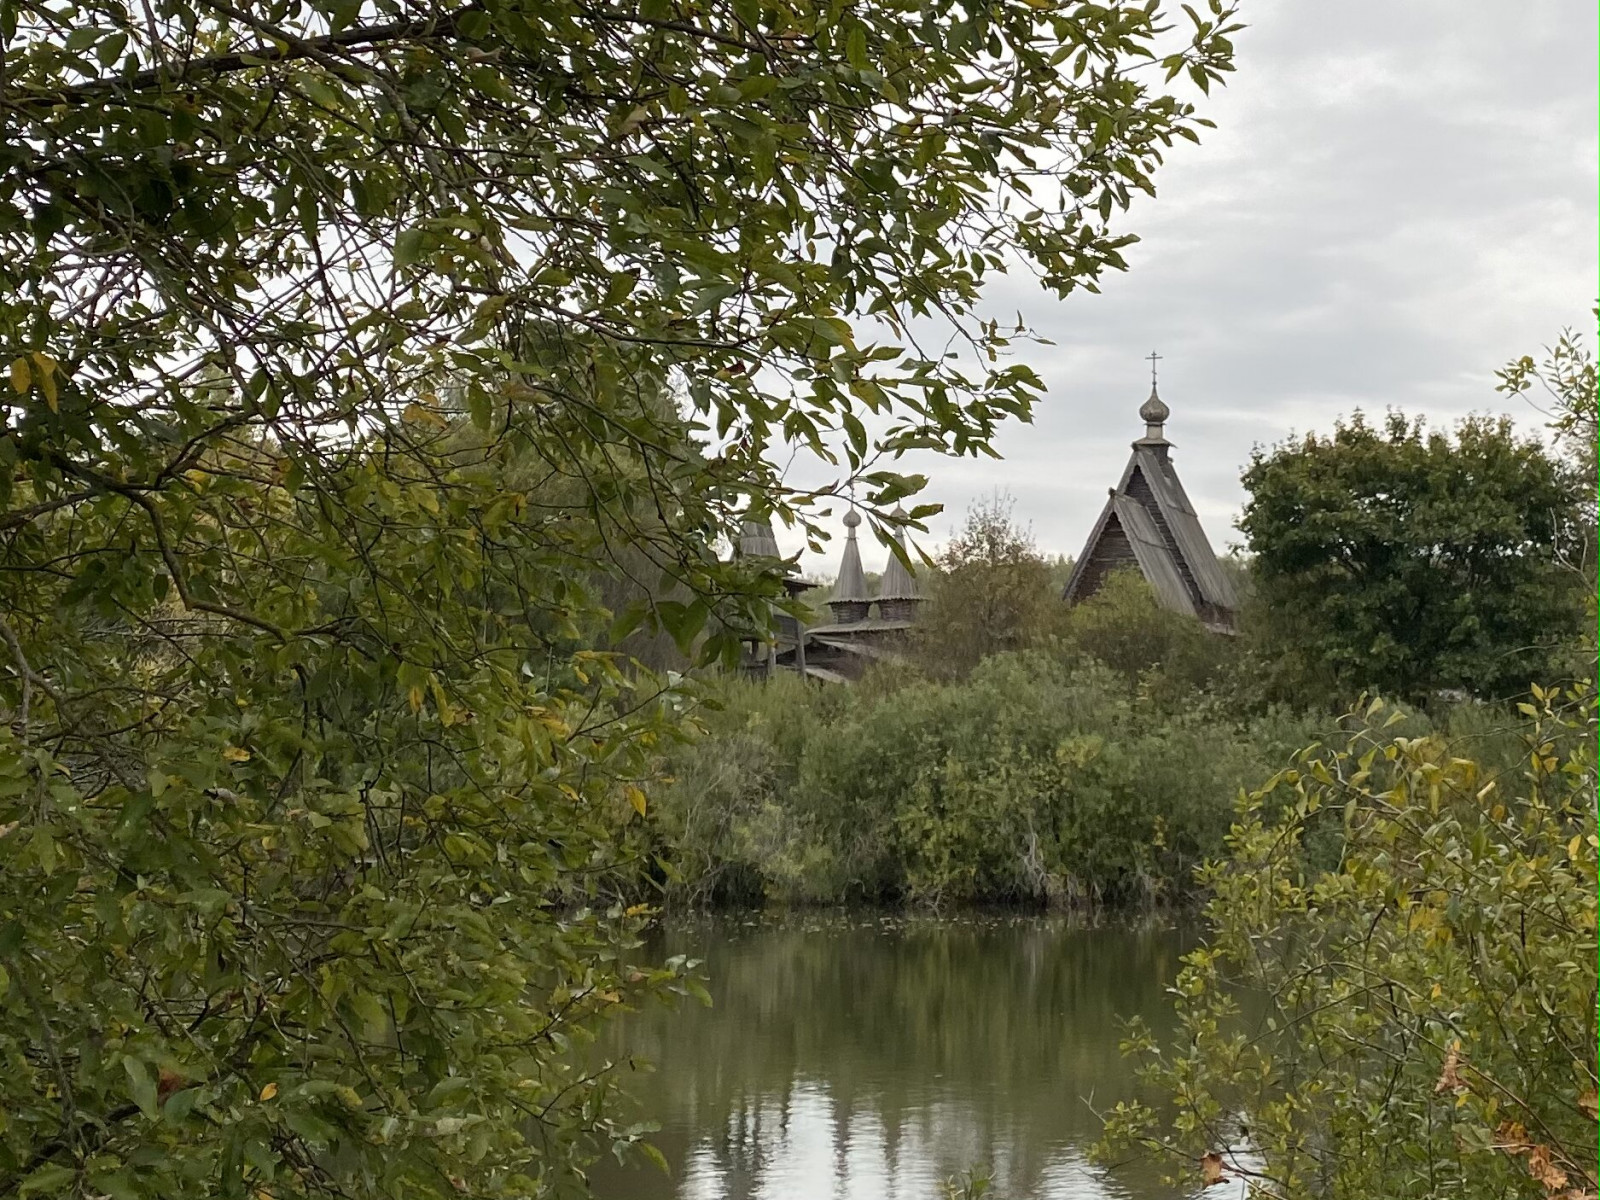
1150	509
756	540
897	582
852	582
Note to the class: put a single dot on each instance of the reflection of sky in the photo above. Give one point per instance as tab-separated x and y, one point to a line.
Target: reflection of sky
778	1148
781	1150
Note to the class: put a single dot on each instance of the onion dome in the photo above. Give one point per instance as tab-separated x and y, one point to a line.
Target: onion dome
1154	411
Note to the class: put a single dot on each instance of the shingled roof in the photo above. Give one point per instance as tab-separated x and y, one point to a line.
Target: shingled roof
756	540
1149	523
897	582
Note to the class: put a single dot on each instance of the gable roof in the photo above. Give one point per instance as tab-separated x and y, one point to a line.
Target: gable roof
1172	504
1125	515
1151	510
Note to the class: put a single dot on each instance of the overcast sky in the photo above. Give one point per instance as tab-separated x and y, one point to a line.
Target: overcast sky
1399	197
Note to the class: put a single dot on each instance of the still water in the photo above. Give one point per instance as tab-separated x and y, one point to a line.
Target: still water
871	1058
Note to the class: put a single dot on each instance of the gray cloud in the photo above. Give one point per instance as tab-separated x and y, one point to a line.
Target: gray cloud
1398	198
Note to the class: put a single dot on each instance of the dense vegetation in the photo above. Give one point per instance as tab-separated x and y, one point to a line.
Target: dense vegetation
1040	778
1026	751
1427	1023
372	369
1426	993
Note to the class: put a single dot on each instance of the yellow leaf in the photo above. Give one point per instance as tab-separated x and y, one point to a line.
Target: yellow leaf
635	910
268	1092
47	377
235	754
636	798
1574	846
423	416
21	377
414	698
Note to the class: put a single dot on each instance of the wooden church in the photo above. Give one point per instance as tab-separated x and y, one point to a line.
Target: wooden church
841	649
1149	525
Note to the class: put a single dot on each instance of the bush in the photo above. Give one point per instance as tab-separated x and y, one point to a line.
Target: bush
1421	1012
1041	778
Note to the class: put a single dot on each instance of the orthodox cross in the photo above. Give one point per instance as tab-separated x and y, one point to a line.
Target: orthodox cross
1154	357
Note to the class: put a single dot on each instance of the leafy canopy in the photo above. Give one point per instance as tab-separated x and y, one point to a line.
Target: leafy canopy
356	352
323	202
990	592
1402	560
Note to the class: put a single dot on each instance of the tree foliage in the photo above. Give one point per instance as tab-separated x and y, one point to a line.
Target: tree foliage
324	201
1409	561
1417	1020
990	591
1170	655
356	353
316	912
1567	378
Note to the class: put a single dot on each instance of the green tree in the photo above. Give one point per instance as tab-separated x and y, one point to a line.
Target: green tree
1402	560
991	591
1566	376
355	353
1417	1020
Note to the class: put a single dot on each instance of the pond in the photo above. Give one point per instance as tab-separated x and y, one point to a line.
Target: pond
870	1058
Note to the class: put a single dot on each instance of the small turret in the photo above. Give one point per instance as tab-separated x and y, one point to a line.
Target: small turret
850	601
756	540
898	593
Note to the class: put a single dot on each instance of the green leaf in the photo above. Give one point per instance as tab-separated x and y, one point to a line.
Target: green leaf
409	246
50	1178
141	1086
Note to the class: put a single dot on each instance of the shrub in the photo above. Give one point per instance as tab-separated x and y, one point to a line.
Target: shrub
1422	1012
1041	778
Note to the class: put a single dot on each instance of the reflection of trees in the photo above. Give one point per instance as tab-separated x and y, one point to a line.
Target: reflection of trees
916	1047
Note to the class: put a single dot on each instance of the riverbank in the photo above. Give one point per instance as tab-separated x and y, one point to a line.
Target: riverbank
1042	780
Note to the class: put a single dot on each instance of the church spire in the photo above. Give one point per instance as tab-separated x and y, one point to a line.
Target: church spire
850	600
898	593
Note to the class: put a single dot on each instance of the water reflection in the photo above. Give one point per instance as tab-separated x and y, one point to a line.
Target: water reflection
870	1059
